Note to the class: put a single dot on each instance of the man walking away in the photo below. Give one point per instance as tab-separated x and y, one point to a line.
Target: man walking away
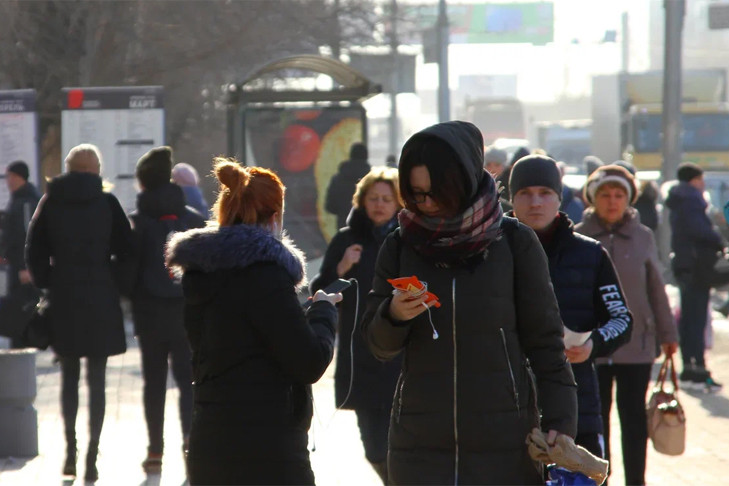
157	300
341	187
696	246
23	201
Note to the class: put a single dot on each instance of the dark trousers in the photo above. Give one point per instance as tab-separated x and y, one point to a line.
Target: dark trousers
96	380
155	357
631	382
692	323
594	443
374	425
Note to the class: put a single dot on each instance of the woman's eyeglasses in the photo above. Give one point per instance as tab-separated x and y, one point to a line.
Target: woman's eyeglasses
419	197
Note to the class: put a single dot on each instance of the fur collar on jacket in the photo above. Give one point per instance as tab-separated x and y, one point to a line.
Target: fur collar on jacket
239	246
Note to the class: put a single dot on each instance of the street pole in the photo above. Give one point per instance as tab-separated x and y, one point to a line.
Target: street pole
444	95
394	126
675	10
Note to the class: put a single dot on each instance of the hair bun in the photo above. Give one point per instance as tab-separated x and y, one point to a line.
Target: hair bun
230	173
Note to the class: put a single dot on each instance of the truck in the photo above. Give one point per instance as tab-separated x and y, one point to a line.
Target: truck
496	117
568	141
627	118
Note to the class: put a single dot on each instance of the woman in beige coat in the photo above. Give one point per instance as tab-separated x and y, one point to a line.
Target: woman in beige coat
631	245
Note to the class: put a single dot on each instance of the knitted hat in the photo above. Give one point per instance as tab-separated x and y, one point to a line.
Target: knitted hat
184	175
494	156
19	168
358	151
155	167
610	173
535	170
591	163
687	171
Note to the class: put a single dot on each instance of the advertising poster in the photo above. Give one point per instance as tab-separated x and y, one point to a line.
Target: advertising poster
124	122
18	135
304	147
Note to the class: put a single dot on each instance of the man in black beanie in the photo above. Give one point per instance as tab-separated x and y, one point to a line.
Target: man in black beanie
24	198
157	301
343	184
582	275
696	246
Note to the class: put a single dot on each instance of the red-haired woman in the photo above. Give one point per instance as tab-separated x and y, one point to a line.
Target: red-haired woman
255	350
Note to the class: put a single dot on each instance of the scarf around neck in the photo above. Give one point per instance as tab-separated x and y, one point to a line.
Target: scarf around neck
454	240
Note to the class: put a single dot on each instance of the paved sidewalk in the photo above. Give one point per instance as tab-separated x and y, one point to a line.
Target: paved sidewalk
338	458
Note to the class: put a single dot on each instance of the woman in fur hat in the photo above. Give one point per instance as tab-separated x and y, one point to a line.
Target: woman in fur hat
610	190
255	351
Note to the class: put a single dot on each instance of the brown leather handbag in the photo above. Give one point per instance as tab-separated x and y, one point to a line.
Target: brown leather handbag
666	418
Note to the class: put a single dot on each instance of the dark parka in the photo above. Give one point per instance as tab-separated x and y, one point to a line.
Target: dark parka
342	187
465	402
693	240
72	237
255	354
157	301
15	227
590	300
374	381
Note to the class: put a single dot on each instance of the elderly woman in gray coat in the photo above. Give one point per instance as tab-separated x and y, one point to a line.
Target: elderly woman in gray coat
611	221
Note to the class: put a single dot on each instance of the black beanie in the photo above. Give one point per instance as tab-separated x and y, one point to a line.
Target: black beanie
358	151
687	171
155	167
19	168
535	170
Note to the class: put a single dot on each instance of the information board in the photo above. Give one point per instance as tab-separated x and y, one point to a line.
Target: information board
18	135
124	122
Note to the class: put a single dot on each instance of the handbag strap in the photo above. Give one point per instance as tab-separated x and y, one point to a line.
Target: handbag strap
661	380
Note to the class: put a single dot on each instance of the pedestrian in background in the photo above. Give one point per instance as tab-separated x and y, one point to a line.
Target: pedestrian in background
185	176
361	382
696	247
75	238
612	221
465	401
255	351
341	187
156	297
591	302
24	198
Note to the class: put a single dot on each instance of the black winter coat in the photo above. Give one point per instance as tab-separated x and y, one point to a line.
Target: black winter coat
255	354
15	228
465	402
374	381
694	241
71	240
585	283
156	296
342	186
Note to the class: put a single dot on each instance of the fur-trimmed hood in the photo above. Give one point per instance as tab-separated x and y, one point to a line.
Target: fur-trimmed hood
228	247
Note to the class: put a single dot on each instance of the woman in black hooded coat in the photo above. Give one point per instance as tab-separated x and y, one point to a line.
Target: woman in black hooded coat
465	401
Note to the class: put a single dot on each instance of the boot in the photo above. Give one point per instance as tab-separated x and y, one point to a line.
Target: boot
69	466
381	470
153	463
92	474
723	309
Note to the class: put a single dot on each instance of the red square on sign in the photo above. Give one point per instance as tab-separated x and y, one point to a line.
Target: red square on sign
75	98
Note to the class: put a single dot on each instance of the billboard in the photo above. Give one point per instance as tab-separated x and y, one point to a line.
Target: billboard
124	122
486	23
18	135
304	146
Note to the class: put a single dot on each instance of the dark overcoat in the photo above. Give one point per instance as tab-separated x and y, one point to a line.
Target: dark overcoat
77	237
374	381
255	355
